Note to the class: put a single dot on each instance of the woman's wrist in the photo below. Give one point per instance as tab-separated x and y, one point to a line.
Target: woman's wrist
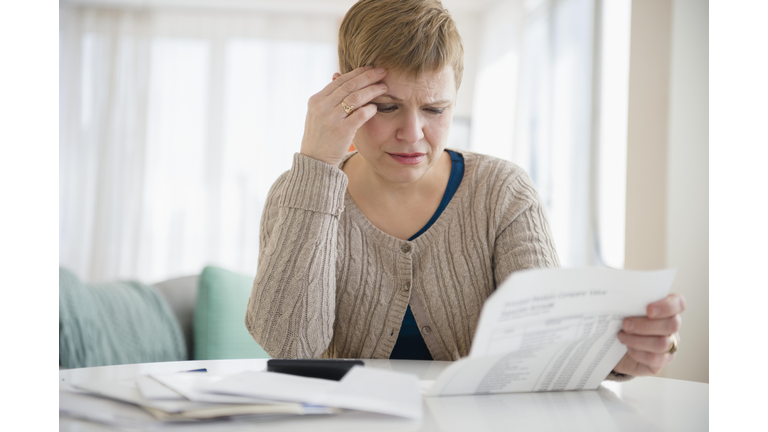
314	185
328	161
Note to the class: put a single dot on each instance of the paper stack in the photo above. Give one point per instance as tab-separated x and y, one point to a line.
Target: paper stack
197	397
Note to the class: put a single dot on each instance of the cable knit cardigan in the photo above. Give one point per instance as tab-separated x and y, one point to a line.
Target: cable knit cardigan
330	284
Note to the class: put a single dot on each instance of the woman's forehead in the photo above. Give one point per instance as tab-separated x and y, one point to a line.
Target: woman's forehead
427	87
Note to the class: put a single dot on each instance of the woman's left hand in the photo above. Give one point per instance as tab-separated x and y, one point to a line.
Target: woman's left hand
649	339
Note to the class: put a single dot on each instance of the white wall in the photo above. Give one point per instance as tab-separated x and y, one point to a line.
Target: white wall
647	130
667	162
468	24
688	176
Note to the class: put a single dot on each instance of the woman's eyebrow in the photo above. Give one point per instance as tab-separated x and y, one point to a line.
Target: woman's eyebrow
394	98
397	99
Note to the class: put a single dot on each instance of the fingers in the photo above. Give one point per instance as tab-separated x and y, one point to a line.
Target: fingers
347	85
653	344
360	116
336	75
672	305
648	326
363	96
652	361
341	79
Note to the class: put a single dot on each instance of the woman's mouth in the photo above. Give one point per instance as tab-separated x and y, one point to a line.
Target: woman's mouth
408	158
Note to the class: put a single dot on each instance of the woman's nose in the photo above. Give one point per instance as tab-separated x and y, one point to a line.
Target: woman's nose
410	129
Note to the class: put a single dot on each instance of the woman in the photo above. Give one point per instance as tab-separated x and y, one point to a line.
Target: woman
390	251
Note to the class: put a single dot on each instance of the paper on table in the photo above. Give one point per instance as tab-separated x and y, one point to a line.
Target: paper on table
241	410
363	389
425	385
185	410
271	385
98	409
377	390
126	391
191	387
552	329
152	389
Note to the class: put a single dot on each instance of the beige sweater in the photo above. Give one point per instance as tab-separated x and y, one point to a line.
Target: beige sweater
330	284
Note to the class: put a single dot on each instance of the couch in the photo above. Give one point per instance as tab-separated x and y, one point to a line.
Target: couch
195	317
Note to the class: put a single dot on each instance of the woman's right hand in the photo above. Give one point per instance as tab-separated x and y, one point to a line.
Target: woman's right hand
329	130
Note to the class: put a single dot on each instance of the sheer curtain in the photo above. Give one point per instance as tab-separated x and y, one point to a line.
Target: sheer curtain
175	123
534	106
173	126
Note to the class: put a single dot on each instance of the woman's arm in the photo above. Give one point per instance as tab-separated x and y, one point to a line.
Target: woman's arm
292	306
524	240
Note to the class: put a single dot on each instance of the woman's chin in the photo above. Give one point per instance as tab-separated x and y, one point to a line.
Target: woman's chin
402	175
396	172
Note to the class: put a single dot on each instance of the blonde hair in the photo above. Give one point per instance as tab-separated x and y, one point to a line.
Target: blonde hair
406	36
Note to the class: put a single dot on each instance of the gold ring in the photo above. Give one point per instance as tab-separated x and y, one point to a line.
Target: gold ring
347	108
673	348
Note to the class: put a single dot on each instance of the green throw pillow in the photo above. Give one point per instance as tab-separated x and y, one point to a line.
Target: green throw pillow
115	323
219	327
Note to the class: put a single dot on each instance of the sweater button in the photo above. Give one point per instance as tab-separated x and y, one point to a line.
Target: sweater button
407	286
406	248
426	330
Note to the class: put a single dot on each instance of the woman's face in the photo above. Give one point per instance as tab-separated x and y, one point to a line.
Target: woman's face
410	130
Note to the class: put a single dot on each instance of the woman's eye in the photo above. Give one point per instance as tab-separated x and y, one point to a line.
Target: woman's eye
435	110
386	108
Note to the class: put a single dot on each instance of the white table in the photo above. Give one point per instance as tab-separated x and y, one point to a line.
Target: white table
642	404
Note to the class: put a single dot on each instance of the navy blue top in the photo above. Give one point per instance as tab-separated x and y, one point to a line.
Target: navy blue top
410	344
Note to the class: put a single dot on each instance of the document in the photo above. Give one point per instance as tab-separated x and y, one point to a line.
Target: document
127	391
362	388
128	411
189	384
377	390
182	397
103	410
167	409
552	329
152	389
271	386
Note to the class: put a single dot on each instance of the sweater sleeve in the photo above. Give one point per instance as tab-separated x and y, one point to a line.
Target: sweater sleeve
524	240
292	305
